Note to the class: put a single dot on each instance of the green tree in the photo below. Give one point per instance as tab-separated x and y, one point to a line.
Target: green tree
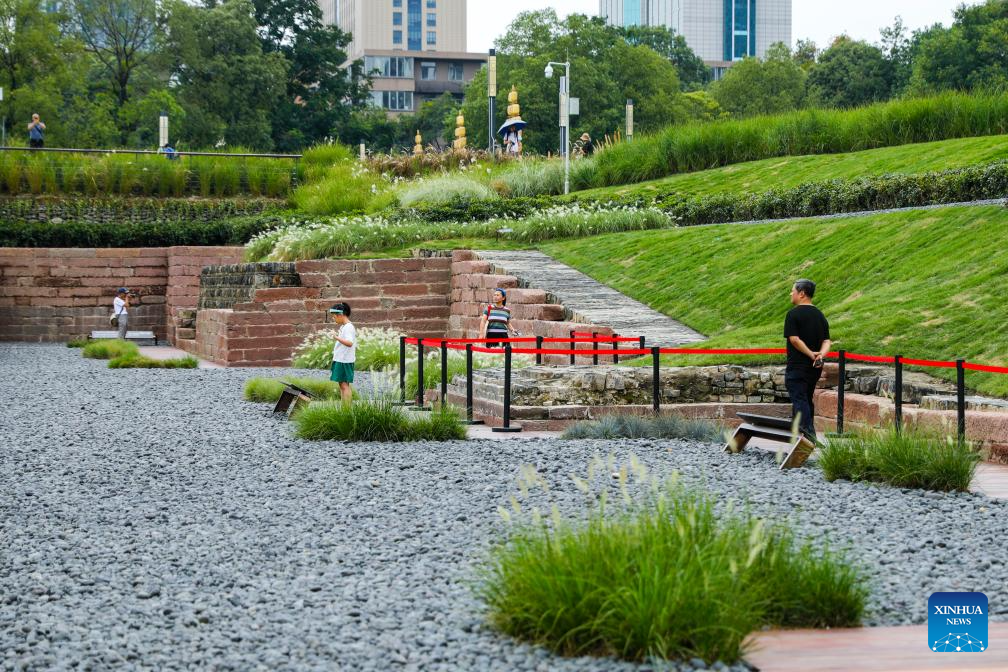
321	93
120	35
898	48
755	86
228	87
971	54
805	53
850	73
693	72
30	42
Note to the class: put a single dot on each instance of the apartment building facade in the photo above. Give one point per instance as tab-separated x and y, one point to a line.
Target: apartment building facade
415	49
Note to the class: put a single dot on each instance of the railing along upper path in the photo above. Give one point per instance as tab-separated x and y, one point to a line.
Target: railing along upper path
587	300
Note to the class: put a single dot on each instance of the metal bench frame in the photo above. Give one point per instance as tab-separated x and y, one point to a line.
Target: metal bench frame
291	397
775	429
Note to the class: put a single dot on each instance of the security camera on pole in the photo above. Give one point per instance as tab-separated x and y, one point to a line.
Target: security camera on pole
564	117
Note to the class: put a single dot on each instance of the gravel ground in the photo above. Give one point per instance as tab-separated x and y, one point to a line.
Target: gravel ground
151	519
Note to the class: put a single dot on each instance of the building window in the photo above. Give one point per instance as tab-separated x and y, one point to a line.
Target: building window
390	66
739	29
396	18
397	3
455	72
431	20
431	4
414	25
397	101
396	37
431	37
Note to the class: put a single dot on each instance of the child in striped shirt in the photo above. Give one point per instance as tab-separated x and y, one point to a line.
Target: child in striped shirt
496	322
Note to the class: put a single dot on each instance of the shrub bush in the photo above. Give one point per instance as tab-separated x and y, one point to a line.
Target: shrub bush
236	231
664	426
110	348
444	189
377	348
141	362
268	390
375	419
463	210
909	459
671	577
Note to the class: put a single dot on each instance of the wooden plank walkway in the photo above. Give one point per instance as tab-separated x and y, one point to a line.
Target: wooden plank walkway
896	649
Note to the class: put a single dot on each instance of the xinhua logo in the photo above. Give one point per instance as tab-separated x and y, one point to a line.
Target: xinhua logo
957	622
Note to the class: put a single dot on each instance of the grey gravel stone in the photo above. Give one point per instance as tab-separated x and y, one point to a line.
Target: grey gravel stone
153	520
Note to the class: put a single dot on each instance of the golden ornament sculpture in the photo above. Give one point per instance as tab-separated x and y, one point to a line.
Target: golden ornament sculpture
418	147
460	132
513	109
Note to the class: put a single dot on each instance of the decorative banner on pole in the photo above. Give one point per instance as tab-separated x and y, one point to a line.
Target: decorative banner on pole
564	104
629	118
492	74
163	130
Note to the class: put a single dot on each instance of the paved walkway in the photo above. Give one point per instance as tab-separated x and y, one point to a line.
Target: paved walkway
589	300
895	649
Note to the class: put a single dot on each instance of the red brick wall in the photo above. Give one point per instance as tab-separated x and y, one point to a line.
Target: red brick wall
410	295
472	284
53	294
184	266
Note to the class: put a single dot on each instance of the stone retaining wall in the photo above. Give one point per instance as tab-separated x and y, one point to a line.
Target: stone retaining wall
410	295
54	294
222	286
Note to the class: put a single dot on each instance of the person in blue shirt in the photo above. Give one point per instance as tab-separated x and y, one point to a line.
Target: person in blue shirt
36	137
169	151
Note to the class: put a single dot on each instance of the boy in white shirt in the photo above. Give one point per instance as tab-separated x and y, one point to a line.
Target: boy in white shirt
344	351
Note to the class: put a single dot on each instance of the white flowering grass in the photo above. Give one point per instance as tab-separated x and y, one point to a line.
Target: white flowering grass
444	189
377	348
346	236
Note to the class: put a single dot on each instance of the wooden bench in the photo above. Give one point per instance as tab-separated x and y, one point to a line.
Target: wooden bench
774	429
140	337
291	397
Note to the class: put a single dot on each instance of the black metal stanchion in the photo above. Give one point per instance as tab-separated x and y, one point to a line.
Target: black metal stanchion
507	426
655	381
402	370
615	346
898	393
961	399
539	340
420	377
573	346
642	342
444	373
841	385
469	388
594	348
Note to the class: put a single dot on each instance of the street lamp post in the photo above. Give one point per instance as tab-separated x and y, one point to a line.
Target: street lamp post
564	117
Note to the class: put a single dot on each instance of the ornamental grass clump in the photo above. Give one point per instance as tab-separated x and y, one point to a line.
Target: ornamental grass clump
268	390
142	362
110	348
664	426
375	419
669	575
911	458
444	189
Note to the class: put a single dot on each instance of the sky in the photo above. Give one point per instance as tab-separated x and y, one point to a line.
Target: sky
816	19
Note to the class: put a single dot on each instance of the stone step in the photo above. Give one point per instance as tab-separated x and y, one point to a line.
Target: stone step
949	402
185	333
587	300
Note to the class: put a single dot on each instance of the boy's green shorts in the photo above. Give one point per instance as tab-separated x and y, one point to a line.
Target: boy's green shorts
342	372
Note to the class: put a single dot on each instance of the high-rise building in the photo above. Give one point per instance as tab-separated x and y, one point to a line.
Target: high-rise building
415	49
719	31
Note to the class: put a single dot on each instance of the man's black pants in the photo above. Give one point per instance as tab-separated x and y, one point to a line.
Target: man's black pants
801	386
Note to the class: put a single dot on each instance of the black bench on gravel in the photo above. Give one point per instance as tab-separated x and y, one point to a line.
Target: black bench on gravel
291	397
774	429
138	337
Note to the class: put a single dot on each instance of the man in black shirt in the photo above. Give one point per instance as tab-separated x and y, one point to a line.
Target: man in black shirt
808	342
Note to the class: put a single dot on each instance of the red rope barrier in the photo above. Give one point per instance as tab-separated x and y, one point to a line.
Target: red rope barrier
985	368
928	362
723	351
870	358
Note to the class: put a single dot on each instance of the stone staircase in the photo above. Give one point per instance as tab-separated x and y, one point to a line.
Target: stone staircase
587	300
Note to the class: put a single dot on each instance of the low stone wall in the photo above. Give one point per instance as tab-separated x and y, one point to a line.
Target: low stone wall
54	294
410	295
222	286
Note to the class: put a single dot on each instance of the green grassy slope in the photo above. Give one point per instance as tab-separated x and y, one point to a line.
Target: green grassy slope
786	172
923	284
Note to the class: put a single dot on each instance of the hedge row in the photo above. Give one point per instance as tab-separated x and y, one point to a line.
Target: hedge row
236	231
100	210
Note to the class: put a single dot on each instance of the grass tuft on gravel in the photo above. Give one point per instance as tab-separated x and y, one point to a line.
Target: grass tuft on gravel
912	458
268	390
110	348
142	362
375	420
670	578
664	426
78	342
